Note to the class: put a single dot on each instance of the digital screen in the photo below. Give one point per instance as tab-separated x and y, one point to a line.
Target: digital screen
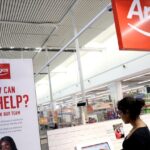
101	146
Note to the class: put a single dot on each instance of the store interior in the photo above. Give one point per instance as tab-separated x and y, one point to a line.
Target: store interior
74	49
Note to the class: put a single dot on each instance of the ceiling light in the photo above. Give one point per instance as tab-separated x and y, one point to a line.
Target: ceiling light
38	49
11	47
104	92
97	88
135	88
136	77
100	96
64	98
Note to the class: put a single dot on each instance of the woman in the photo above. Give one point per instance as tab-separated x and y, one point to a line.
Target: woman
139	136
7	143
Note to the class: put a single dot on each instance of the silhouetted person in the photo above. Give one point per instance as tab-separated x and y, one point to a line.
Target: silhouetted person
139	136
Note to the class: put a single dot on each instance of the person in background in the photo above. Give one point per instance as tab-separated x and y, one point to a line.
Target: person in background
129	109
7	143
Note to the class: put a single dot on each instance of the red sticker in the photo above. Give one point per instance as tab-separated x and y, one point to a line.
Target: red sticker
4	71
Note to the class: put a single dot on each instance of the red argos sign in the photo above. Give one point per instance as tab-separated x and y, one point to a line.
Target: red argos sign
4	71
132	19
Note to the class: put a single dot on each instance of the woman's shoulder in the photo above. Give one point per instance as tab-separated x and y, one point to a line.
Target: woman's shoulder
142	129
139	140
142	132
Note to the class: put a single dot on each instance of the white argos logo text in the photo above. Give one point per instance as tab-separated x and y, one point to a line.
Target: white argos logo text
143	16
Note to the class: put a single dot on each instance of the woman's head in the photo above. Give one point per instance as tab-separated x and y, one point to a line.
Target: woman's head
130	108
7	143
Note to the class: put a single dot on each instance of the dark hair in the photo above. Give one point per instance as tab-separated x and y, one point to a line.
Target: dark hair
10	141
132	106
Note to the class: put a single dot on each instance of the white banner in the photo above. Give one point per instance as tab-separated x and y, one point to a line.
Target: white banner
18	111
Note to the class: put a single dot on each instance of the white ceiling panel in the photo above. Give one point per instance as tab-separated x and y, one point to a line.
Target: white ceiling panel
84	11
40	59
39	11
24	35
21	41
43	57
29	23
61	36
36	29
16	54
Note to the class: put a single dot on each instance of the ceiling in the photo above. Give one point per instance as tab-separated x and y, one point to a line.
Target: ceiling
28	27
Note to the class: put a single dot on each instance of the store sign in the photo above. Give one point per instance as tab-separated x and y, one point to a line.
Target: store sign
132	20
4	71
18	111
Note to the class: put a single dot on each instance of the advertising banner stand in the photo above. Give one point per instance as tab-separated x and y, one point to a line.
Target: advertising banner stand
18	110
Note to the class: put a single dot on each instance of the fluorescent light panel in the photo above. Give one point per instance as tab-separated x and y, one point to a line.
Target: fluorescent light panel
98	88
143	81
135	88
136	77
